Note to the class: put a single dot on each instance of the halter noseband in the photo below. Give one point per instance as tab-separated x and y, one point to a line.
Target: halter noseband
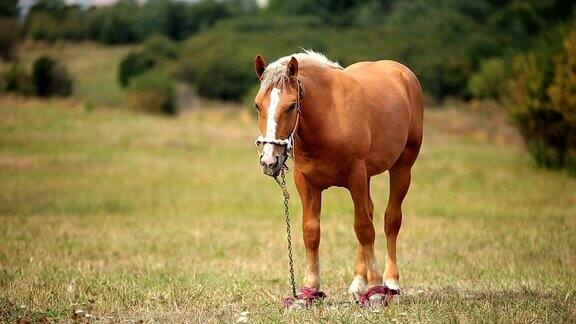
287	142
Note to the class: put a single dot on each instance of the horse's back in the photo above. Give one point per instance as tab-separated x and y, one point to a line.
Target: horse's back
388	75
394	105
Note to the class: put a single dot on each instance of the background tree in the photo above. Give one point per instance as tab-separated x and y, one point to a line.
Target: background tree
10	28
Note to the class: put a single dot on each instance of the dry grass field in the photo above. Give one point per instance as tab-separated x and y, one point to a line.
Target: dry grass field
110	215
134	217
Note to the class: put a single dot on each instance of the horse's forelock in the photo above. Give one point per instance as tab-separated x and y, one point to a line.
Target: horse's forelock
276	73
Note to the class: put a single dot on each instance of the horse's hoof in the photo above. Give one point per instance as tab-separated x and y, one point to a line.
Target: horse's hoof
305	298
377	296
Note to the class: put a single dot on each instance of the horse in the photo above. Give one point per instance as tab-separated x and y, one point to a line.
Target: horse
342	126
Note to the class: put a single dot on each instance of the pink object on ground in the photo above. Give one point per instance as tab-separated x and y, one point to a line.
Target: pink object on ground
310	295
384	291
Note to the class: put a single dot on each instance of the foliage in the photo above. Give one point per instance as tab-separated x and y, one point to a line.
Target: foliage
490	80
8	37
225	80
17	80
50	78
118	23
219	62
52	21
153	92
8	8
544	98
161	47
127	21
335	12
449	42
134	64
155	50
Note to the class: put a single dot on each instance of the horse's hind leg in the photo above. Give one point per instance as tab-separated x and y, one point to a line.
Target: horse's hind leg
400	175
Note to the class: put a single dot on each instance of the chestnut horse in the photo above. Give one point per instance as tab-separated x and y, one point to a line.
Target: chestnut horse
343	126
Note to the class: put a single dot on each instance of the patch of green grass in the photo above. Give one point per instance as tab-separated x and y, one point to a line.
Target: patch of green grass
128	217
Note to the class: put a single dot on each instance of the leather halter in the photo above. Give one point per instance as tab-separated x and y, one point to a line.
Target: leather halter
287	142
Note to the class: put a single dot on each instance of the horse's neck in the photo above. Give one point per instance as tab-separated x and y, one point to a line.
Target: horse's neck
315	112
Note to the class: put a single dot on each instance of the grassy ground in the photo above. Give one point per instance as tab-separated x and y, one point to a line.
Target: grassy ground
133	217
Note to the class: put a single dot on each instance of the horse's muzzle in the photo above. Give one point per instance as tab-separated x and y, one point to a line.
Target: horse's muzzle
273	169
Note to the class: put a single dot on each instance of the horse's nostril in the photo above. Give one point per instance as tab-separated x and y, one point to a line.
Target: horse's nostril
268	160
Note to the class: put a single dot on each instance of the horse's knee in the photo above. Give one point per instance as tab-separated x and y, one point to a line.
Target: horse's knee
311	231
364	229
392	221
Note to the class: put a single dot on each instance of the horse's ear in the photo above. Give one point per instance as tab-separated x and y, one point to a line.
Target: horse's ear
259	66
293	67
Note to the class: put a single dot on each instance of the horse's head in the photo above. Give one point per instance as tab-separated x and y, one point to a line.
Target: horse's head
277	103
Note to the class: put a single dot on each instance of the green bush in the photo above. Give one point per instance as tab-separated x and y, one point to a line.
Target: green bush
219	61
134	64
224	80
544	99
490	80
17	80
153	92
161	47
50	78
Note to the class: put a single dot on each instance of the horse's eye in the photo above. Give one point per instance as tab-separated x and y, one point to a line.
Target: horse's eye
256	107
291	107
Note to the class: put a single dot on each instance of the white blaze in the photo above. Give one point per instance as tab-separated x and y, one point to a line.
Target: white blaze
268	150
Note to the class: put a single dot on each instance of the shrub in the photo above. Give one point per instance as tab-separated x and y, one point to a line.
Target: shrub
8	37
153	92
50	78
16	79
134	64
544	97
161	47
224	80
490	80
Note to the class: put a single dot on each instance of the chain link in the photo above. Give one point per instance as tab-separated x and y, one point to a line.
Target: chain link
282	184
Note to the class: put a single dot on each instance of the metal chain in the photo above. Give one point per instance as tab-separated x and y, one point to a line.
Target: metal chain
282	184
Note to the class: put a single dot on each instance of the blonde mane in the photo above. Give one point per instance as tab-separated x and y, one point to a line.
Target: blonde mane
276	74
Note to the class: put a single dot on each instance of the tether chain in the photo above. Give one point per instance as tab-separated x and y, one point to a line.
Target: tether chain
282	184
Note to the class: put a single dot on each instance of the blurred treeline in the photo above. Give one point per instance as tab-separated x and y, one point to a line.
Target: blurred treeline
444	41
519	53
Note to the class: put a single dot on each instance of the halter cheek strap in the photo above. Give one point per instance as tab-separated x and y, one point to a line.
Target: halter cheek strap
288	142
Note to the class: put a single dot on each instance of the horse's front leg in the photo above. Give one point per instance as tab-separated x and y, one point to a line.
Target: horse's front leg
363	227
311	198
359	285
